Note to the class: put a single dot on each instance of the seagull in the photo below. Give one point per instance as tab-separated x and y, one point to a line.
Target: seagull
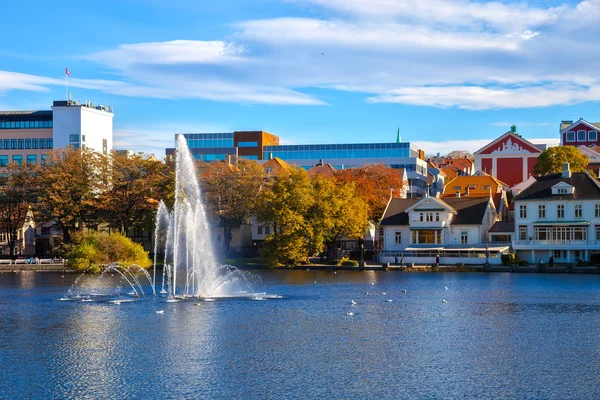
322	54
353	302
389	300
443	301
350	313
366	292
446	287
315	281
404	291
160	312
372	283
382	292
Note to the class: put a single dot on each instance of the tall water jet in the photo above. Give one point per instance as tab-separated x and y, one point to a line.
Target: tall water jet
190	266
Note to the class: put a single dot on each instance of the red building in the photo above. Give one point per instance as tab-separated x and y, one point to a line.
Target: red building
579	133
510	158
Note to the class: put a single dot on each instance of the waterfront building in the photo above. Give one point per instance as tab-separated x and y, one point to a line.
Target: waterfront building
559	216
455	229
579	133
27	136
510	158
479	185
227	145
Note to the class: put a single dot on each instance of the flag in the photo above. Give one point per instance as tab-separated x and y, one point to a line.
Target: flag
67	72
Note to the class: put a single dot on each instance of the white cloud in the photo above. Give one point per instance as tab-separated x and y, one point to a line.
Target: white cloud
449	145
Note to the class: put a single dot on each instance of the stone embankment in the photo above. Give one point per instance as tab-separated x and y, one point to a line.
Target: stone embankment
43	265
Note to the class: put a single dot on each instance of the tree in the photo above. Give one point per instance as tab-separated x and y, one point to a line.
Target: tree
374	184
129	195
284	206
460	154
17	193
69	183
552	159
231	191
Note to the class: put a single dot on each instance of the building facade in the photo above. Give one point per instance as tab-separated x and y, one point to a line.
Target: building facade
558	216
579	133
510	158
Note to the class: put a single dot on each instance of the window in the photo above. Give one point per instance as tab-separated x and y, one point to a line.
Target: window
523	211
427	237
578	211
486	187
50	143
522	233
560	210
247	144
592	136
260	229
570	136
104	146
44	158
398	237
421	217
73	138
581	136
34	143
541	211
562	191
3	161
267	230
464	237
6	144
83	138
13	144
437	217
21	143
31	159
597	232
456	187
42	143
17	159
27	143
3	237
542	233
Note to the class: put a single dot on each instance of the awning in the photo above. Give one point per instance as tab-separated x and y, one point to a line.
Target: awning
456	248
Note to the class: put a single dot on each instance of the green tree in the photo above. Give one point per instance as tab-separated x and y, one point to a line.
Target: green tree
552	159
130	189
68	185
231	191
17	193
284	206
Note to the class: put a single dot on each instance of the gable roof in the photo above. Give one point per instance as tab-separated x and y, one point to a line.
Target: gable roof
469	211
478	181
503	227
586	187
322	169
513	137
568	125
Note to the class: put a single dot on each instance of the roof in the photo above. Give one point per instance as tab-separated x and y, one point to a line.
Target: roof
479	181
567	124
470	211
586	187
31	115
276	164
514	138
322	169
394	213
503	227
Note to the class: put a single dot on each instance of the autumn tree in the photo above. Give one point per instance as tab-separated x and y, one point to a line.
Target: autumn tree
231	191
374	184
130	192
460	154
552	159
285	206
68	186
17	193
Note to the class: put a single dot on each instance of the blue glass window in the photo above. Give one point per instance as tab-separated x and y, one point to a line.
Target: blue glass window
42	143
44	159
27	143
6	144
34	143
31	159
13	144
21	143
247	144
3	161
251	157
18	159
50	144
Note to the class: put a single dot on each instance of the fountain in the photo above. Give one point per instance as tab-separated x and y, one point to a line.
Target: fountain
190	266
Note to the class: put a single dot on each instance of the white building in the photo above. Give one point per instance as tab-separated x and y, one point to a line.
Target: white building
82	126
416	230
558	216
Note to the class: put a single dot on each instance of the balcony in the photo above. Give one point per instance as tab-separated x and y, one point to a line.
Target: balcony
556	244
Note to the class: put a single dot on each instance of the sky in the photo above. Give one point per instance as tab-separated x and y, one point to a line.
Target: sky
450	74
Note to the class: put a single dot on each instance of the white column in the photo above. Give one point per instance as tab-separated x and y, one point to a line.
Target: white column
494	168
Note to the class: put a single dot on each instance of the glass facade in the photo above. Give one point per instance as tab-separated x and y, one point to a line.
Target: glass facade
17	159
3	161
209	157
31	159
25	124
208	140
333	151
247	144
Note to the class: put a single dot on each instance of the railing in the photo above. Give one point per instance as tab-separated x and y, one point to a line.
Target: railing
555	242
35	261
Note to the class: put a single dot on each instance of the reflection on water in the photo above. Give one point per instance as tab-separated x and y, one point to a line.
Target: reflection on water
496	336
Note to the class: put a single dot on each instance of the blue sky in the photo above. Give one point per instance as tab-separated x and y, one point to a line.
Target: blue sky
452	74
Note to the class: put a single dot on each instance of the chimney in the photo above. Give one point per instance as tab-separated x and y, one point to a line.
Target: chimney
457	194
566	172
438	155
320	162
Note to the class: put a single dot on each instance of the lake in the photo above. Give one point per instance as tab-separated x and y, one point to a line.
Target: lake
498	335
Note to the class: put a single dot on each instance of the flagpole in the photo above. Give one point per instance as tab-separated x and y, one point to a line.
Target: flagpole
67	86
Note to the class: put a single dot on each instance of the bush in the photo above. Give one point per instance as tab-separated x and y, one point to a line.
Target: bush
90	251
346	262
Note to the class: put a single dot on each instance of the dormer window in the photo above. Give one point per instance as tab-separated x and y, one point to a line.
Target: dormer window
563	188
581	136
457	187
570	136
592	136
472	186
